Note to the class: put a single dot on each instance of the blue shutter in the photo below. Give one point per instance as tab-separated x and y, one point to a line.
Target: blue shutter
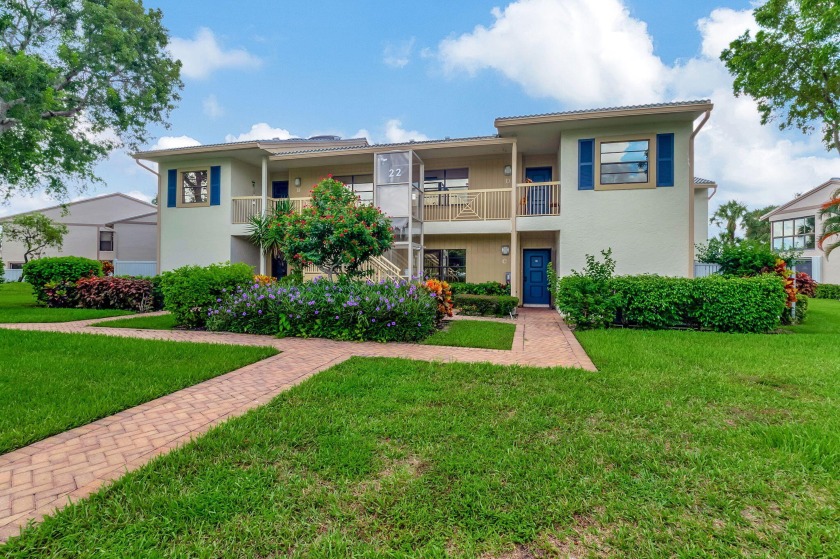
215	185
586	164
172	188
664	160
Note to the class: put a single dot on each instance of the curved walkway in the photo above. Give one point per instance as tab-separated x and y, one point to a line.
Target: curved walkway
37	479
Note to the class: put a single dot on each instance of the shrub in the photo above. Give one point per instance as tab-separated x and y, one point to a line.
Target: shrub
115	293
653	301
59	294
58	270
443	297
827	291
486	305
189	291
805	284
349	310
2	271
739	304
263	280
586	299
486	288
107	267
800	314
741	259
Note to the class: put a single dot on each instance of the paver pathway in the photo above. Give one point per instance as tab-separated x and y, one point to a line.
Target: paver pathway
37	479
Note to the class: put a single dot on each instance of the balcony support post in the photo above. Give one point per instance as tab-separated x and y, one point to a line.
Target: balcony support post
264	180
514	234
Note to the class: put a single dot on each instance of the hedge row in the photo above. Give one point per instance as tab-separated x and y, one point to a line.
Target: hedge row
485	288
58	271
190	291
827	291
715	303
486	305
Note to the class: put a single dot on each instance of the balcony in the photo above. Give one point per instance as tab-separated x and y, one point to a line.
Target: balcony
532	199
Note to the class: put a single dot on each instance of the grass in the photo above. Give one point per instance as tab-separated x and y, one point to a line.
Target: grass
17	304
157	322
684	444
474	333
51	382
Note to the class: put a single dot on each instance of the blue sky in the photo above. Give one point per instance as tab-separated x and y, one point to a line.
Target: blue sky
432	69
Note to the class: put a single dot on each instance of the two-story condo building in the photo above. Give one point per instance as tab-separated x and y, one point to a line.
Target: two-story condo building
544	188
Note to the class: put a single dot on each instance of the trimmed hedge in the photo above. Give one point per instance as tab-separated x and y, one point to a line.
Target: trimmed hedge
58	270
486	305
723	304
827	291
189	291
485	288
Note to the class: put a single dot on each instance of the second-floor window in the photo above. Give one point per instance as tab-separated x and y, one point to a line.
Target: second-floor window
194	186
794	233
106	240
447	179
625	162
361	185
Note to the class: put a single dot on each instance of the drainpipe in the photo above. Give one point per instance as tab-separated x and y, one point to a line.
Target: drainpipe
703	122
159	201
264	208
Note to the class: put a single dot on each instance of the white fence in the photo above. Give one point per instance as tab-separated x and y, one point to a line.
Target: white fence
12	275
702	270
135	268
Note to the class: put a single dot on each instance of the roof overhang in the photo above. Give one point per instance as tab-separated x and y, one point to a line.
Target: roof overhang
781	209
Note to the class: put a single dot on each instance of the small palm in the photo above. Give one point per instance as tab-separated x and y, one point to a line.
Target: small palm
830	214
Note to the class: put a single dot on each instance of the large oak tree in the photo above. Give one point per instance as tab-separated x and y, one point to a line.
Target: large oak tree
78	78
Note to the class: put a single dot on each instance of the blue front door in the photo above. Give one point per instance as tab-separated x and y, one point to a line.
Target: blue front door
535	290
280	189
538	202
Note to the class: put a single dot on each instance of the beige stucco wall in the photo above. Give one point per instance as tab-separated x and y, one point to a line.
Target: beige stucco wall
241	250
485	261
647	229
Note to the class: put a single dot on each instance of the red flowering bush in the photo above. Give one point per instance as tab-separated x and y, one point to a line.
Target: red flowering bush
335	233
443	296
114	293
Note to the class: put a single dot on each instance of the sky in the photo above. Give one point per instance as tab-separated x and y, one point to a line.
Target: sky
259	69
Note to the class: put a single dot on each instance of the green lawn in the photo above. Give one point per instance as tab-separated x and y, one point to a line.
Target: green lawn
474	333
51	382
157	322
18	305
684	444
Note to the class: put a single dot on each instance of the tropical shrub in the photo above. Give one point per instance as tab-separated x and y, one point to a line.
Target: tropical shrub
827	291
486	305
58	294
189	291
805	284
443	297
485	288
107	267
652	301
740	259
350	310
586	299
114	293
263	280
799	314
738	304
56	271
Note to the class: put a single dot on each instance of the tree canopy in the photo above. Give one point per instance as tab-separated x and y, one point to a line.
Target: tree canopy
756	229
36	232
791	67
728	216
77	80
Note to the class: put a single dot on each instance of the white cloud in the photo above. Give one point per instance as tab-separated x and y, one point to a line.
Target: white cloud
139	195
212	108
260	131
172	142
395	133
604	56
584	52
202	55
398	55
362	133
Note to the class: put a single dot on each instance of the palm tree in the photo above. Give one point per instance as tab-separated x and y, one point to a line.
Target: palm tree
262	229
727	216
830	214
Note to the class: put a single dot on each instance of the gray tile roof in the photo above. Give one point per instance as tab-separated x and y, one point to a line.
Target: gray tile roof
396	144
263	141
603	109
698	180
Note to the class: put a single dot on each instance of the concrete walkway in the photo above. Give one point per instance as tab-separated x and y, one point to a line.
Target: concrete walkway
38	479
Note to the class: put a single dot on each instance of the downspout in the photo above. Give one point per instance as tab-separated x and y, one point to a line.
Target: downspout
155	173
694	133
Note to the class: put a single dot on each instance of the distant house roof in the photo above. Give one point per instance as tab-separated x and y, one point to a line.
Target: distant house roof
143	213
832	181
693	104
377	147
267	144
704	182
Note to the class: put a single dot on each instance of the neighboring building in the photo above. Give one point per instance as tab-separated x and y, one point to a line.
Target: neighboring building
108	227
545	188
797	225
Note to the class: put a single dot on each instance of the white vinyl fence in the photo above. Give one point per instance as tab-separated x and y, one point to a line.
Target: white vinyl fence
12	275
702	270
135	267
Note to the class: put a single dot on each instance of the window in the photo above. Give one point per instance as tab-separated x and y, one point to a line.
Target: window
361	185
15	266
106	240
794	233
194	187
446	264
447	179
625	162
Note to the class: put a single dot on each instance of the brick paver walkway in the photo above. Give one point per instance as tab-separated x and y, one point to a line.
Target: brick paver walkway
37	479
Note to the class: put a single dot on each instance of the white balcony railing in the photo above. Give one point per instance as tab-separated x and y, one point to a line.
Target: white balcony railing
538	198
466	205
246	207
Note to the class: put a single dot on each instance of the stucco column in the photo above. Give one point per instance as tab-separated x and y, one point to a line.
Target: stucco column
263	265
514	234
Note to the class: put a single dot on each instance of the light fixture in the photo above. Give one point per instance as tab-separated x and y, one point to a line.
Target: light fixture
297	182
508	170
505	250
